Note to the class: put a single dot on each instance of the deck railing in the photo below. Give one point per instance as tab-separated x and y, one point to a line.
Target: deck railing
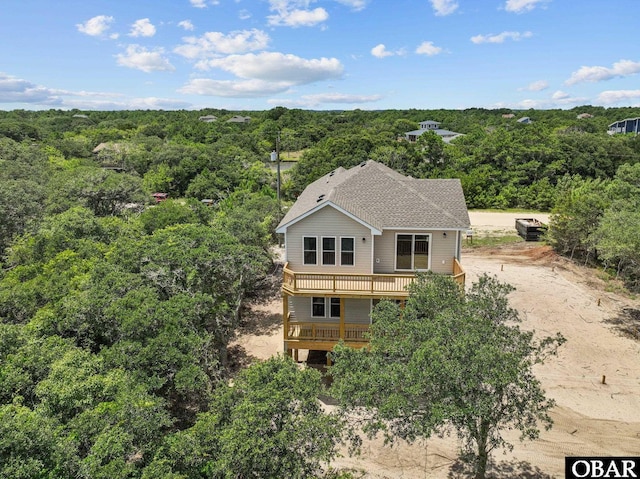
346	283
349	283
306	331
459	274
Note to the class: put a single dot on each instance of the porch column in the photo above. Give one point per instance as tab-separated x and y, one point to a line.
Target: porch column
285	321
342	318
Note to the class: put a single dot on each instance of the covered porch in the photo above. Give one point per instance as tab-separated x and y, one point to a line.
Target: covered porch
323	334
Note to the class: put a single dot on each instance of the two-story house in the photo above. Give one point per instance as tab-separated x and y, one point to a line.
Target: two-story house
359	235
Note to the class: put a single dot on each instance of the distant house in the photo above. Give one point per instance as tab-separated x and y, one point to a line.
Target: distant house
239	119
629	125
525	120
112	155
508	115
433	126
208	118
356	236
584	116
79	115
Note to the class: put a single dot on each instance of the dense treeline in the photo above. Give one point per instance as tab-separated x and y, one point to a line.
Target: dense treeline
116	313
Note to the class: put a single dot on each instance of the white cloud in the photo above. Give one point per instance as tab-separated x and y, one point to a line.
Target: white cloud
560	95
16	90
428	48
521	6
150	103
278	67
313	101
341	98
536	86
148	61
380	51
244	14
215	43
233	89
444	7
203	3
594	74
500	37
299	18
142	28
354	4
187	25
610	97
95	26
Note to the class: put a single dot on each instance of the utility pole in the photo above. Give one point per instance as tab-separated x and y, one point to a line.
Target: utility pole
275	156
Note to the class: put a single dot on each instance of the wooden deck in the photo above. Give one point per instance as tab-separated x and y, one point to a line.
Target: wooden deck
355	285
324	335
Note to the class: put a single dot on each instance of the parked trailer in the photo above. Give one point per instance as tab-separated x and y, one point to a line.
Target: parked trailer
530	229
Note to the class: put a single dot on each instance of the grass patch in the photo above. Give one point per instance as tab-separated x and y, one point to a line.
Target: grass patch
481	241
291	155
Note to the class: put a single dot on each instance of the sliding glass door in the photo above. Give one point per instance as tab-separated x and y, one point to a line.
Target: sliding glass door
412	252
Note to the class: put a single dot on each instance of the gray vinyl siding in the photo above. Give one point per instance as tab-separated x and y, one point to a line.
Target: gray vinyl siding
329	222
356	310
442	250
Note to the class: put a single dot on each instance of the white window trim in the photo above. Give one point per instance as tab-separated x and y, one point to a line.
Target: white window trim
325	307
303	251
413	239
335	251
354	251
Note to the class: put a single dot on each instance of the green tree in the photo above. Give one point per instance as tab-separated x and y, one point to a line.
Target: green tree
28	443
580	205
109	420
21	206
269	423
103	191
448	359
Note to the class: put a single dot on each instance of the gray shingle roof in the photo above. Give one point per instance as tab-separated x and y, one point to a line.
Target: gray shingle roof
385	199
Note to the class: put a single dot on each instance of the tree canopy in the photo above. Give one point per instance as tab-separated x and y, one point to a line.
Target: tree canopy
447	360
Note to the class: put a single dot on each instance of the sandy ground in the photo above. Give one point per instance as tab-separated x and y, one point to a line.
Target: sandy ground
552	295
485	223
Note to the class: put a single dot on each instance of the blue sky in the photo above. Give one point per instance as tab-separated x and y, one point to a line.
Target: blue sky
331	54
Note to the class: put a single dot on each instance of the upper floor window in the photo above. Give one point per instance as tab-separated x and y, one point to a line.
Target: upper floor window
347	251
328	251
310	253
412	252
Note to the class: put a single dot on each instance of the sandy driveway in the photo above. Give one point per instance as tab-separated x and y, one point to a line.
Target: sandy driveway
551	295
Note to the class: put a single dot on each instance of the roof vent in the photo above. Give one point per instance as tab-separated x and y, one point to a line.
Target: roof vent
320	198
363	164
332	173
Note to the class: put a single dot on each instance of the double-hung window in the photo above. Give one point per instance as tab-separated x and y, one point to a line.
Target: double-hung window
347	251
328	250
334	309
412	252
319	307
310	247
